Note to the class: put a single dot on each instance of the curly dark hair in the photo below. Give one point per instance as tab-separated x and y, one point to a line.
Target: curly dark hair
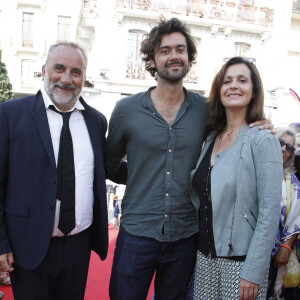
154	37
217	113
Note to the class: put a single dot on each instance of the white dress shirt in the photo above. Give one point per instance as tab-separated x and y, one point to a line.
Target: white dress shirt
83	163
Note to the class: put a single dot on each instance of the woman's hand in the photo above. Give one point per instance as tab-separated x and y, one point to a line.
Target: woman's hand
281	257
248	290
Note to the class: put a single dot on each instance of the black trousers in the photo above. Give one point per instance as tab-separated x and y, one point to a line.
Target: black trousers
61	276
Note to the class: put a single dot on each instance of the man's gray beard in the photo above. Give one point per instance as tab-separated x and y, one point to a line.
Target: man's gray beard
59	97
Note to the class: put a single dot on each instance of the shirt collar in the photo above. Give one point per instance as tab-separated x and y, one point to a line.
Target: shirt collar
147	99
48	101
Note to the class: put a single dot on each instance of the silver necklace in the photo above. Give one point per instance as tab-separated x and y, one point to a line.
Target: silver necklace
217	143
234	129
228	133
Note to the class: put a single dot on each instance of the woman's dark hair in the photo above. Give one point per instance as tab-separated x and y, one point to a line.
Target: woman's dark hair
217	113
153	39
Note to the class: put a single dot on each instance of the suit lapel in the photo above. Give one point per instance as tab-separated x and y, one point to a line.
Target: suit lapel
42	126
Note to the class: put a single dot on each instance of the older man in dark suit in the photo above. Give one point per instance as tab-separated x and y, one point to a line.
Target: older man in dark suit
53	208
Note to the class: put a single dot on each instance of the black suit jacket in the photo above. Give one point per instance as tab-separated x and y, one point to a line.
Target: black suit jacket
28	180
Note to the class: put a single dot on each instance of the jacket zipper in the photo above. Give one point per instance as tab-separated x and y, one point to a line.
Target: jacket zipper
230	240
252	213
246	218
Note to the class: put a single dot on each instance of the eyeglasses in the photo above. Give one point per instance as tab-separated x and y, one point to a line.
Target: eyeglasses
289	148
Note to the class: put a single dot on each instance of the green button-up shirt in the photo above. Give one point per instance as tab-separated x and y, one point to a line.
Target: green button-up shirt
160	158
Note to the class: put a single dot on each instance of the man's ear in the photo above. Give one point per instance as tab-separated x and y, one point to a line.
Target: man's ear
43	71
152	63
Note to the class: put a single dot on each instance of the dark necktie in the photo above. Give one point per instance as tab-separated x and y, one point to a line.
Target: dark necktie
66	177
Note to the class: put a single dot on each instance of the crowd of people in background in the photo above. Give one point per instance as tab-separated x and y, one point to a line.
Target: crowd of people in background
212	200
289	223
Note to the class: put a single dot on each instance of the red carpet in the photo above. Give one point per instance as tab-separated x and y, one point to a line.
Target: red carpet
98	277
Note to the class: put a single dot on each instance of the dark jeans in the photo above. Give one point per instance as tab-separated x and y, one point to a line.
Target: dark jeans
136	259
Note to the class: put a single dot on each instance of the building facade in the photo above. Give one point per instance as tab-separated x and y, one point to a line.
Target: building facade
267	32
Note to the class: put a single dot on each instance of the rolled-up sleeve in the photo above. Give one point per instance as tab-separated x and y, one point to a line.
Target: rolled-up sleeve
115	146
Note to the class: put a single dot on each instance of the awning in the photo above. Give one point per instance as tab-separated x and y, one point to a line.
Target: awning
295	95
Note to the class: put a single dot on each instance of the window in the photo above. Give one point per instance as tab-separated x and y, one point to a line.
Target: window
135	67
296	4
64	28
27	24
247	2
27	73
242	49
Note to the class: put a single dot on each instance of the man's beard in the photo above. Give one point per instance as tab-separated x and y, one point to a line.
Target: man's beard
172	76
62	98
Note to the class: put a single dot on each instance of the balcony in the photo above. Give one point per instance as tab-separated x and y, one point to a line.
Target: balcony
206	9
296	10
41	4
87	22
135	71
296	5
88	13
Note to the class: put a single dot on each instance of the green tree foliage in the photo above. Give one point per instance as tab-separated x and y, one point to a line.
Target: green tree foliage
5	86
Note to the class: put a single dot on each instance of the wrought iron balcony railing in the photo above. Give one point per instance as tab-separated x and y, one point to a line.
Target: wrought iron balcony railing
209	9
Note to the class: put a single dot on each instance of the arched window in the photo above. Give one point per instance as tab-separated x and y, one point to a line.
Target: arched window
135	66
27	30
